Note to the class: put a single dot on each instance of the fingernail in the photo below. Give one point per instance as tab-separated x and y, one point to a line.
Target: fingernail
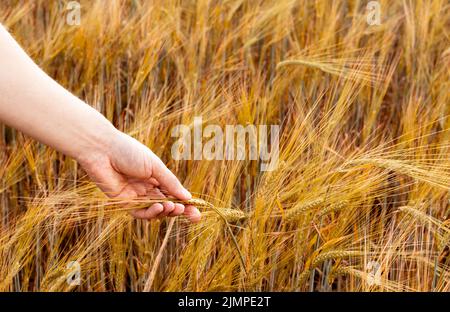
197	215
187	194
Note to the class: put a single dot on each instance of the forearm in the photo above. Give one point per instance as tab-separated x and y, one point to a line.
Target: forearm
34	103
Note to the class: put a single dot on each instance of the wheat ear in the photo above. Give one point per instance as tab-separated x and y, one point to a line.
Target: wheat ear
298	210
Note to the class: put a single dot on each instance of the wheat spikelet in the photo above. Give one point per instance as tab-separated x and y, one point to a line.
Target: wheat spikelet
443	241
346	270
422	173
199	203
442	233
322	257
370	279
268	181
334	207
303	277
232	215
419	215
334	68
54	279
295	212
388	164
342	270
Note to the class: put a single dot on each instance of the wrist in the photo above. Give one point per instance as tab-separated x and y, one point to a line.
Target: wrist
96	143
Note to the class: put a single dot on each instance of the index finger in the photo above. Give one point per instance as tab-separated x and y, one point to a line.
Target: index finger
169	181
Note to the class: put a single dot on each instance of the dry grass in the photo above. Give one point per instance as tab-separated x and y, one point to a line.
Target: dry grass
364	174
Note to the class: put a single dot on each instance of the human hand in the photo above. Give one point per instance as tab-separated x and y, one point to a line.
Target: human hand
124	168
34	103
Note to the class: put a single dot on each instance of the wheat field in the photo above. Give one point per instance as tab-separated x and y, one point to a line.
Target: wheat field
359	200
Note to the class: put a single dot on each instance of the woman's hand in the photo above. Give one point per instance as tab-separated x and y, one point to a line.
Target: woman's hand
125	168
35	104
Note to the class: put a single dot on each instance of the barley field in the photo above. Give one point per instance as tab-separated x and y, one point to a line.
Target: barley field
359	200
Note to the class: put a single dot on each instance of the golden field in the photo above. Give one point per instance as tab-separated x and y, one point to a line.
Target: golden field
359	200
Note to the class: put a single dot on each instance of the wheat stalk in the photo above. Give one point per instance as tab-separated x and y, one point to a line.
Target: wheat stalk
223	213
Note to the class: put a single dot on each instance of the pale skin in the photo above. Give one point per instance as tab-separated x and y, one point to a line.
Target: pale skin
122	167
